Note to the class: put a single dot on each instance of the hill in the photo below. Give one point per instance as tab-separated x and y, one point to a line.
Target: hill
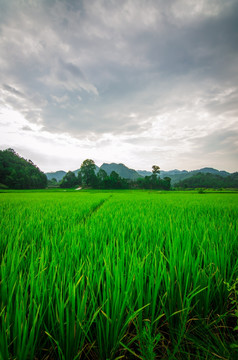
127	173
58	175
209	180
18	173
76	171
179	175
144	173
122	170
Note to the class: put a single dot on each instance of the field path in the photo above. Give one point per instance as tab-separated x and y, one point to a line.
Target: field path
95	208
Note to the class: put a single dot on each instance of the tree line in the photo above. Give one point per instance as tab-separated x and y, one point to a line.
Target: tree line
208	180
88	178
19	173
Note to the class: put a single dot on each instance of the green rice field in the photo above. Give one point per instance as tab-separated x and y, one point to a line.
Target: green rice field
118	275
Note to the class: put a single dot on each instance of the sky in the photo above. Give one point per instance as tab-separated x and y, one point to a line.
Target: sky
139	82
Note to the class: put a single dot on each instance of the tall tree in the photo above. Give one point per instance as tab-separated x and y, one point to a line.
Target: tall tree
87	169
79	177
102	175
155	169
155	172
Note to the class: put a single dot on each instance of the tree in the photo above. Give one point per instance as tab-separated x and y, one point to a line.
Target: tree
102	175
18	173
166	183
53	182
115	180
102	179
79	177
155	172
155	169
115	176
69	180
87	169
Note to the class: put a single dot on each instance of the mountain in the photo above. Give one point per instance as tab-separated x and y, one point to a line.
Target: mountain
122	170
172	172
127	173
209	180
177	175
76	171
212	171
144	173
58	175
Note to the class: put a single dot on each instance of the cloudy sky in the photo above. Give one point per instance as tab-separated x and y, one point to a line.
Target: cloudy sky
140	82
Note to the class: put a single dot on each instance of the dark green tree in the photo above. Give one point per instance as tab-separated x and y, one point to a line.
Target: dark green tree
79	177
53	182
208	180
69	180
19	173
87	169
166	183
101	175
115	180
102	178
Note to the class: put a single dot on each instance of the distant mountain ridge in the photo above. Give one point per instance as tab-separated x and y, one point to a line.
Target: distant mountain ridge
209	180
127	173
76	171
177	175
120	169
58	175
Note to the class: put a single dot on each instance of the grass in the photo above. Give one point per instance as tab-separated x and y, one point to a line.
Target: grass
122	274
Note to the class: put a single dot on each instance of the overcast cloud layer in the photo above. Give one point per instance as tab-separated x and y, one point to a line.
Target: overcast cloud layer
141	82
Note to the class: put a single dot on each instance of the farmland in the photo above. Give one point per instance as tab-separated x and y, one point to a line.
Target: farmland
111	275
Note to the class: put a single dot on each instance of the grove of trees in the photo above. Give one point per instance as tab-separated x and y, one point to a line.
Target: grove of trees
208	180
18	173
69	180
87	177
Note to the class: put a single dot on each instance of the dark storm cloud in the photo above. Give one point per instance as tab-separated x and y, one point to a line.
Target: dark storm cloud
87	68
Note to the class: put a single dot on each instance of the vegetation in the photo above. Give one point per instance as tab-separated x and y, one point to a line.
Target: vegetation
87	169
18	173
126	173
122	170
113	181
69	180
88	178
208	180
57	175
52	183
112	275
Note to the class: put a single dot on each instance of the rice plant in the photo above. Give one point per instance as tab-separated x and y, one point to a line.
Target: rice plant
112	275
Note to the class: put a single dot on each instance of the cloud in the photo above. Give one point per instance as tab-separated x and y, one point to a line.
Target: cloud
26	128
82	68
13	91
221	142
